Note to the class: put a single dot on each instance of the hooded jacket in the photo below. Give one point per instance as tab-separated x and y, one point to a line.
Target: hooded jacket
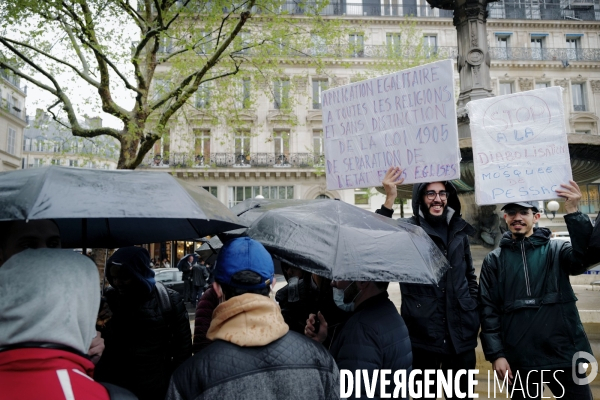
374	338
255	356
144	344
528	313
48	305
443	318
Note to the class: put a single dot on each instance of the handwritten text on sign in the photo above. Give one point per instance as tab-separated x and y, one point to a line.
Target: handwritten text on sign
406	119
520	148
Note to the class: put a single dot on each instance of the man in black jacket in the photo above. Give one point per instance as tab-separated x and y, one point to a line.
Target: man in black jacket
148	335
374	337
529	320
442	319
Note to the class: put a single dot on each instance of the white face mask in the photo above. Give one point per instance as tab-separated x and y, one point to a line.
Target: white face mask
338	298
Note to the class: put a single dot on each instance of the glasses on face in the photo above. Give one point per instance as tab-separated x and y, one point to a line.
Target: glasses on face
523	213
432	194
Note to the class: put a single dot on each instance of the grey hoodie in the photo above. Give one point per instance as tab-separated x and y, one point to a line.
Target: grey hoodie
50	296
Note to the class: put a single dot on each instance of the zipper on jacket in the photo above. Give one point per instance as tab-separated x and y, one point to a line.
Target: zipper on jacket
525	268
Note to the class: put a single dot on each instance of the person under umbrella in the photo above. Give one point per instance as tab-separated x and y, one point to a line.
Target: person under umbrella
44	334
375	337
148	335
186	265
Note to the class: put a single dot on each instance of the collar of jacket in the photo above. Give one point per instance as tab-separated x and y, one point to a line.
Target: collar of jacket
39	358
372	301
539	237
454	221
247	320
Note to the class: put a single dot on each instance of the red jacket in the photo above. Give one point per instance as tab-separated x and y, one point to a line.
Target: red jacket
35	373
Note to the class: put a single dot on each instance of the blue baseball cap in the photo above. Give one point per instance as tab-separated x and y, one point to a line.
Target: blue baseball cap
244	254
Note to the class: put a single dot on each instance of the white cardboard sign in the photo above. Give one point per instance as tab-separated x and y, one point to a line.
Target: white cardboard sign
520	148
405	119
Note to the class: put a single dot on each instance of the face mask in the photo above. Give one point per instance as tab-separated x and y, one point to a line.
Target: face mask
338	298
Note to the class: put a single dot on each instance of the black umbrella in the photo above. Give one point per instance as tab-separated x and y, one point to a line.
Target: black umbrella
183	260
343	242
108	209
209	249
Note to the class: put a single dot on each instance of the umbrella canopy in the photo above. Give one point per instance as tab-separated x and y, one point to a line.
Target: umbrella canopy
209	249
250	209
108	209
183	260
343	242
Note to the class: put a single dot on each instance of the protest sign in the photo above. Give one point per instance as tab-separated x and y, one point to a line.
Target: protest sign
405	119
520	148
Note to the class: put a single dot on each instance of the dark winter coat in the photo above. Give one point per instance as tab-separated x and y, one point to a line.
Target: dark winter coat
528	312
375	337
144	345
200	275
204	310
443	318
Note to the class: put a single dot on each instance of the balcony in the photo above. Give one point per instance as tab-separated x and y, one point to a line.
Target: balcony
546	54
574	10
235	160
11	108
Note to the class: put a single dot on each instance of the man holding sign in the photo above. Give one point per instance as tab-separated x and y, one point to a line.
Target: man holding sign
442	320
529	322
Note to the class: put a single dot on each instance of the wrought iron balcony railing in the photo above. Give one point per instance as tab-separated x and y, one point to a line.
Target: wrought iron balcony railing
544	54
12	108
574	10
235	160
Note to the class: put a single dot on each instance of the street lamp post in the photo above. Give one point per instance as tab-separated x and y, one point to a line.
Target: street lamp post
473	62
553	207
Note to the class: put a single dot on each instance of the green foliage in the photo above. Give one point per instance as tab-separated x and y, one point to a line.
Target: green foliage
180	63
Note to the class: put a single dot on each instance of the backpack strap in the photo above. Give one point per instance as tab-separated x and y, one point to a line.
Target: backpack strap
117	392
164	301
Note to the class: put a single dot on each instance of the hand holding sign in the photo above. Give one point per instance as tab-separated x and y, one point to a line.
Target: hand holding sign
393	178
572	193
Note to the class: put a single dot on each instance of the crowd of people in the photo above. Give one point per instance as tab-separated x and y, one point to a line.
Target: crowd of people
59	338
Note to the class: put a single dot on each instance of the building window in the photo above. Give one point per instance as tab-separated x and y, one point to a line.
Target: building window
211	189
237	194
204	47
318	86
165	45
506	88
201	147
243	43
542	85
73	163
590	199
242	148
161	151
54	161
161	87
586	132
38	162
11	141
573	46
430	45
537	47
578	91
318	142
243	98
323	196
318	45
503	47
281	94
203	95
357	45
361	196
392	41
